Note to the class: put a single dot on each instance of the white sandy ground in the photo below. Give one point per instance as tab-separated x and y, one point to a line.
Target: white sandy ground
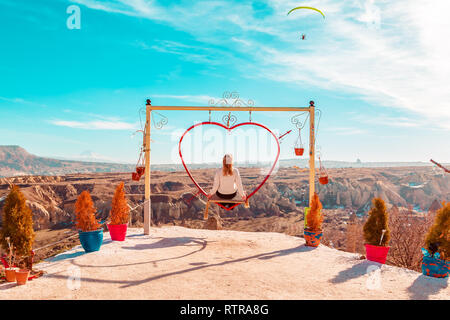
181	263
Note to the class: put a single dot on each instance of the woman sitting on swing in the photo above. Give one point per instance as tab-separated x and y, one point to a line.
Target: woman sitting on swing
227	182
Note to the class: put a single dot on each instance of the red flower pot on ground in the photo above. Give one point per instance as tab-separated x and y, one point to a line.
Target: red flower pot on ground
22	276
376	253
10	274
376	232
119	215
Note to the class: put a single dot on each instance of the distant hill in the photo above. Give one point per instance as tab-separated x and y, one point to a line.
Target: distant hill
16	161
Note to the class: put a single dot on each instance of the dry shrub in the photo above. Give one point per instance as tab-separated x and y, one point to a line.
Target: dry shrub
85	213
407	237
119	208
354	239
314	218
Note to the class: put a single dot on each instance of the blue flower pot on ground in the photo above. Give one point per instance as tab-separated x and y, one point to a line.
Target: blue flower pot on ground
91	240
433	267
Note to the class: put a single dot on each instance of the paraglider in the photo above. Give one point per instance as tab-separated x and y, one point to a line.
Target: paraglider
303	37
310	8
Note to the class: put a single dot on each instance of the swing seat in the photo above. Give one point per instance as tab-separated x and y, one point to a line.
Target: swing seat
215	199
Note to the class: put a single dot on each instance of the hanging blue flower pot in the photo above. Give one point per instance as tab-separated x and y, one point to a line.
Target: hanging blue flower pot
433	266
91	240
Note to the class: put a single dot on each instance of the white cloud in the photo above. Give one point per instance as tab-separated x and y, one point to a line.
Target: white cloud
345	131
96	125
21	101
191	98
391	53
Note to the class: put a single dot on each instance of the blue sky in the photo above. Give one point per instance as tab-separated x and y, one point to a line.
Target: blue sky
378	70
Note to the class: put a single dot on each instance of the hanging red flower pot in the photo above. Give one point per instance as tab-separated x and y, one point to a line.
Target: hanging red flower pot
323	180
298	147
376	253
135	176
140	170
140	166
323	174
299	151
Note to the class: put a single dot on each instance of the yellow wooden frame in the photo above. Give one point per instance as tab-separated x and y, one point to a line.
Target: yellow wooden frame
149	108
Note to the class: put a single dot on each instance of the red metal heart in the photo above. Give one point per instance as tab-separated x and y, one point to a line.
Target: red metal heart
229	129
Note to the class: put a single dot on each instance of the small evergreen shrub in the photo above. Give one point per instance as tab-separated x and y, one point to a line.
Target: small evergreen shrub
85	213
438	237
376	223
17	224
314	218
119	208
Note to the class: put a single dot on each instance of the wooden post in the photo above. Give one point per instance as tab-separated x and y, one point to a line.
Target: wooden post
147	203
312	155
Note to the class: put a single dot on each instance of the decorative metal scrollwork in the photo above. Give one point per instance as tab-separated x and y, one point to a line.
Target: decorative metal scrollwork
318	116
229	119
231	99
297	120
159	124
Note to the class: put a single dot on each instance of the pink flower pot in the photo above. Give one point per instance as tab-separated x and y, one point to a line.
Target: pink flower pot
117	231
376	253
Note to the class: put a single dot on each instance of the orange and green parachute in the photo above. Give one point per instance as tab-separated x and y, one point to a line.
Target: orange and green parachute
310	8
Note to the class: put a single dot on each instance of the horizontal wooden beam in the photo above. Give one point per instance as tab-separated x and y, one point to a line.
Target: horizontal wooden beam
194	108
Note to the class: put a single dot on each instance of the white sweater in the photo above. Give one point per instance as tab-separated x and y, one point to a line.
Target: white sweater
227	184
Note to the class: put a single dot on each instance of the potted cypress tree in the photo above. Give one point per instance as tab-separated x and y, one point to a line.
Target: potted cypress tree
119	215
313	231
376	232
17	234
436	260
89	230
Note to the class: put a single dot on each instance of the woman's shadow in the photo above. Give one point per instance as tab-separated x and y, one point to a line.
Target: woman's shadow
356	271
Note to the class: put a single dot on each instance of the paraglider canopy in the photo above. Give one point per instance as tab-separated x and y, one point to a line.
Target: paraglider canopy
310	8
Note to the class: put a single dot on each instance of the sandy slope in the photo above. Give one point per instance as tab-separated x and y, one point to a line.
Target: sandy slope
180	263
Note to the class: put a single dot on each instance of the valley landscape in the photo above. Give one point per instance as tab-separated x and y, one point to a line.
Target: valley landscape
277	207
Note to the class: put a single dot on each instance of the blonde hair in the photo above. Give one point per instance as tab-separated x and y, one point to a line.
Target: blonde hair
227	169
